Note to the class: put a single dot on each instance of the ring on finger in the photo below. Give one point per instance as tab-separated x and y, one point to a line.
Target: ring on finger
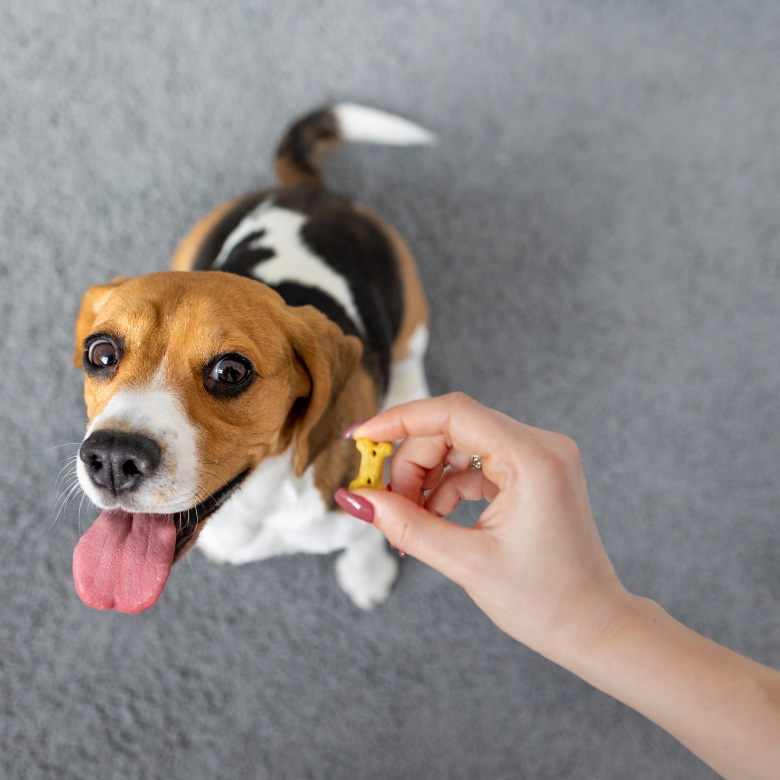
476	462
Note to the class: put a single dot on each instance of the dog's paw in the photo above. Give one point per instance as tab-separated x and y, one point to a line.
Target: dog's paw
366	578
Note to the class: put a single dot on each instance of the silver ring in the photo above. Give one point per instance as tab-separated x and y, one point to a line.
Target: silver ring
476	461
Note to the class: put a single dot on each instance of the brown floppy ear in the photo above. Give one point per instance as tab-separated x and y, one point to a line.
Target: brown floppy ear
327	357
91	304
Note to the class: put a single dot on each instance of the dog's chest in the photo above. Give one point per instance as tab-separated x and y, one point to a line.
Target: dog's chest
275	512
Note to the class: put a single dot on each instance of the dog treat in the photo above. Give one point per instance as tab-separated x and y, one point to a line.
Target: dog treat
372	458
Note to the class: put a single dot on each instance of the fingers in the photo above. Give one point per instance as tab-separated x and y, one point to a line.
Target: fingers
418	463
446	547
458	460
431	417
455	421
511	451
457	486
417	466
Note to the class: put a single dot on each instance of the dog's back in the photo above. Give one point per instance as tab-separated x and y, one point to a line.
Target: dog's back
317	248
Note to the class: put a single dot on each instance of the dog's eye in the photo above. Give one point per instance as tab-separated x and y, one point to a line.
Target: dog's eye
229	370
102	354
229	376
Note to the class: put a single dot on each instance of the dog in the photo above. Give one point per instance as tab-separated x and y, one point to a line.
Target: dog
217	392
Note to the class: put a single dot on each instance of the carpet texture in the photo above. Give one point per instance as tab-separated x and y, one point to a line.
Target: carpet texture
598	233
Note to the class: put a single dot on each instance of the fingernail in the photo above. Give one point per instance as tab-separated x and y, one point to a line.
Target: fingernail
389	488
352	428
401	554
357	506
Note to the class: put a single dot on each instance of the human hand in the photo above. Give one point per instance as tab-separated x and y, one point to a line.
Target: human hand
534	562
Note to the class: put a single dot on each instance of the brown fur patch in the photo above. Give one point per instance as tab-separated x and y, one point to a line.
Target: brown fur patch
290	175
337	464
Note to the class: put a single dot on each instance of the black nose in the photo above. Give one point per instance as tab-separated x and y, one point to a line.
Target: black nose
119	462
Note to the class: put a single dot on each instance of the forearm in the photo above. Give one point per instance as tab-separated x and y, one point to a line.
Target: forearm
725	708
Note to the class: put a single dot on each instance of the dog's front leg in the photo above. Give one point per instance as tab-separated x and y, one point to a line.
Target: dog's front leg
366	570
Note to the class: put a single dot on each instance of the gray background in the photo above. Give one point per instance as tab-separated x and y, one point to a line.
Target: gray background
598	234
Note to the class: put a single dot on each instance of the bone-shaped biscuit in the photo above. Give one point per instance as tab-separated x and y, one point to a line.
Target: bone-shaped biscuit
372	458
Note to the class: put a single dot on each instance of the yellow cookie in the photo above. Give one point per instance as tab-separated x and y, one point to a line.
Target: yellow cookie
372	459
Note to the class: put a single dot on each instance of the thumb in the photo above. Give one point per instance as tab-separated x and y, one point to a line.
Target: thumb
431	539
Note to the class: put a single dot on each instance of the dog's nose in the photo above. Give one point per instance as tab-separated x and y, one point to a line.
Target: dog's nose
118	461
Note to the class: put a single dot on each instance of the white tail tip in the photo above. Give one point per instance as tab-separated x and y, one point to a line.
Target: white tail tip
370	125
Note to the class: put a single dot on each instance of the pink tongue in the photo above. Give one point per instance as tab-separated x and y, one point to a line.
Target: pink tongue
124	560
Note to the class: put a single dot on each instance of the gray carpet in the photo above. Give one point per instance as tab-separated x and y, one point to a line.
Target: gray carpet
599	234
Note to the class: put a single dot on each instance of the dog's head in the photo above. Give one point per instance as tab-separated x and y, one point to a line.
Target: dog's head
192	380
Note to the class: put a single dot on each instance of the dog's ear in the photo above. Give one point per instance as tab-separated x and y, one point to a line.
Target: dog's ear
91	304
326	358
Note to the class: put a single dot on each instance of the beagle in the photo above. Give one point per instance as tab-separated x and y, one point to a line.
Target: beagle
218	391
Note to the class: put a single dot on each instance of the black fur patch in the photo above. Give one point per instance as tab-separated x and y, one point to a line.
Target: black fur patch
209	249
350	243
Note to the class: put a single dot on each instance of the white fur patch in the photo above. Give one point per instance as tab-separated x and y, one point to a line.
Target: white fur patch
276	513
159	414
251	223
369	125
293	261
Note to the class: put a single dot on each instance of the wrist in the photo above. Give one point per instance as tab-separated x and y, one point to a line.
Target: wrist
611	622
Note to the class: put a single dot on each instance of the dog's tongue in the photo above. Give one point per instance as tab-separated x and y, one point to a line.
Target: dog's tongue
124	560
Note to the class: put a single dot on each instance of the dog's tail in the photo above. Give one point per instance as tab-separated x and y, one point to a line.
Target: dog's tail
297	159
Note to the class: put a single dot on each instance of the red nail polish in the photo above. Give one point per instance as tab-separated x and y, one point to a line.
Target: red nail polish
389	488
356	506
352	428
402	554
